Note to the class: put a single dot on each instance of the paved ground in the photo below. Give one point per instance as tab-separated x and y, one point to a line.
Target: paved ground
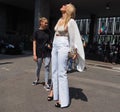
95	90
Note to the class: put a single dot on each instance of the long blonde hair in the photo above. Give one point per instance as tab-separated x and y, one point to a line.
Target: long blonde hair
70	12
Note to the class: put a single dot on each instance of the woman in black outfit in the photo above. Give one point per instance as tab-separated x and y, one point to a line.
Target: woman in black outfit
42	50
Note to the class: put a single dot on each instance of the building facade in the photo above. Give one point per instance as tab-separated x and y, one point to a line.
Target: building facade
95	24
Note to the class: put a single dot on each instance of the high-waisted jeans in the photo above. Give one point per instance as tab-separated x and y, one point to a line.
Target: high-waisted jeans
47	61
59	70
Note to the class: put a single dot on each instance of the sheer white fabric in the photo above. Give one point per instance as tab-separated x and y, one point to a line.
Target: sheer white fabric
75	40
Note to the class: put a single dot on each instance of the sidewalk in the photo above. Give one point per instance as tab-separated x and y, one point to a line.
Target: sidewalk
88	61
103	64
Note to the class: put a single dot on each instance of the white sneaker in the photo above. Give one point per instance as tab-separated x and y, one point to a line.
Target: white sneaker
69	69
47	87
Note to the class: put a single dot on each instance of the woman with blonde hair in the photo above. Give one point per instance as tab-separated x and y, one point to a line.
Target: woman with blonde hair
66	38
42	40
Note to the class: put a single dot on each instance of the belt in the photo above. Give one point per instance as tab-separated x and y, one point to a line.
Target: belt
61	35
58	35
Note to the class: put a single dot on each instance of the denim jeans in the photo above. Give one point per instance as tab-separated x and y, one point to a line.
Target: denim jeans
47	61
59	70
70	62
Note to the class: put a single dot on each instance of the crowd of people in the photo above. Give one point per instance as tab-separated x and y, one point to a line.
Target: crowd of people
111	52
55	50
106	51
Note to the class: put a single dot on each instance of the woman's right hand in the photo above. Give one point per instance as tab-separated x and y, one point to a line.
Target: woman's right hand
35	58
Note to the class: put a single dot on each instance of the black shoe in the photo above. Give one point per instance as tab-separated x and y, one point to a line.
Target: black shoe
50	98
58	105
35	83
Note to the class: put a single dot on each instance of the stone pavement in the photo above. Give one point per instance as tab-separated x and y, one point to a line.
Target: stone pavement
89	91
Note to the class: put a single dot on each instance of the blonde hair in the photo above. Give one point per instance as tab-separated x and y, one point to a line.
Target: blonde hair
70	11
42	19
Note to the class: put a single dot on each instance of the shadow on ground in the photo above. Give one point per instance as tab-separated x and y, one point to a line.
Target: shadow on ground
5	63
6	56
78	94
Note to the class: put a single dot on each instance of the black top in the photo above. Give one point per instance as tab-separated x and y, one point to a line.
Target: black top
43	38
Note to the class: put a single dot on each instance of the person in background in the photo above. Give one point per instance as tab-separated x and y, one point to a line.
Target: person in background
66	38
42	41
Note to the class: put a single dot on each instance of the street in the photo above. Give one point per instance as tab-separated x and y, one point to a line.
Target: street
95	90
